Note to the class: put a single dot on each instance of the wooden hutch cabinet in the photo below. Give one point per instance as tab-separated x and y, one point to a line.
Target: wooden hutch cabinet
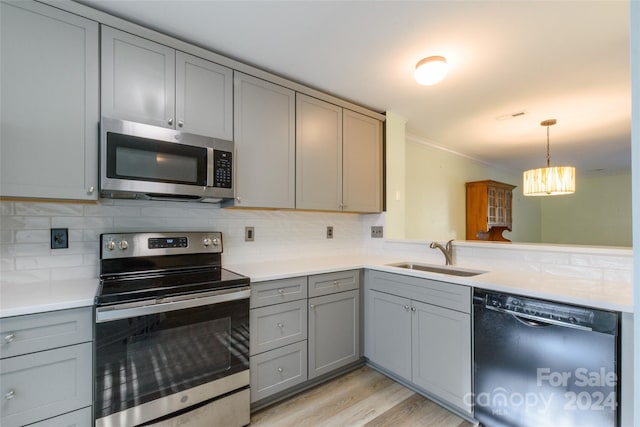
489	210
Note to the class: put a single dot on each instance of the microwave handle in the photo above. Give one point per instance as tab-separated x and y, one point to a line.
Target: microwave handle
156	306
210	166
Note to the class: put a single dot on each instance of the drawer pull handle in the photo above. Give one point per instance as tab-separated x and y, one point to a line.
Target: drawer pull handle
10	395
281	291
280	325
413	309
280	370
336	283
406	307
312	306
9	338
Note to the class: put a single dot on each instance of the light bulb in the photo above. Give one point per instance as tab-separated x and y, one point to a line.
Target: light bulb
431	70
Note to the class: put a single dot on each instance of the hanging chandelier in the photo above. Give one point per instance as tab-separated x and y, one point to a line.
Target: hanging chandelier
549	181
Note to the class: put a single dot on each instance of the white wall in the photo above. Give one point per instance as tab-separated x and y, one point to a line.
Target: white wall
395	175
436	195
25	254
599	213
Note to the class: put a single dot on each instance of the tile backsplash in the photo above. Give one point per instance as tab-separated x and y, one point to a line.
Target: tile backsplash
25	254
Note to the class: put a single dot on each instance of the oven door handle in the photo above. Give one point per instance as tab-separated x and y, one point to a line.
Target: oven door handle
163	305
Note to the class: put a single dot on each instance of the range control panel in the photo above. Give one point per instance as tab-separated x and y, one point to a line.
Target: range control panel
130	245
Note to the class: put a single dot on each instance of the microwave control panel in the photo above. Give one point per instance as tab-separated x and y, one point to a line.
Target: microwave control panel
222	169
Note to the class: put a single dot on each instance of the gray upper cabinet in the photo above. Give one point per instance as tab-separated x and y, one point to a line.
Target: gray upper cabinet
138	79
146	82
318	154
338	158
264	128
49	103
204	97
361	163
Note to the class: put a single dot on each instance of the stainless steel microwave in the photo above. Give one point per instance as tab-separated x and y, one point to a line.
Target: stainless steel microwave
151	162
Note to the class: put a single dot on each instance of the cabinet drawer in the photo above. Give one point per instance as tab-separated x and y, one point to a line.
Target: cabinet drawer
330	283
45	384
80	418
278	370
277	291
442	294
37	332
277	325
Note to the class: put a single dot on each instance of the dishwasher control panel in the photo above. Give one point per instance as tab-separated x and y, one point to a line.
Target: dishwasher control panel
547	311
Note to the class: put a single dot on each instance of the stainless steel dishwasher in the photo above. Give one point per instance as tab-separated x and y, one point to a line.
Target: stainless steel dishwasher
539	363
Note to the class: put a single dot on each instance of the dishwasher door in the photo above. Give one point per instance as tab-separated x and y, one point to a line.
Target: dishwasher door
529	373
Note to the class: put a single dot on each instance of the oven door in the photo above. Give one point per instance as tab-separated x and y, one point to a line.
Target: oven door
157	357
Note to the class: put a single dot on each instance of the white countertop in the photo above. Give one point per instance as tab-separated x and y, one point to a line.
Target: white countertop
592	293
20	298
28	298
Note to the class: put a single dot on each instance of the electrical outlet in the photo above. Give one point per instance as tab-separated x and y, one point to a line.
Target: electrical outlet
329	232
59	238
249	234
377	231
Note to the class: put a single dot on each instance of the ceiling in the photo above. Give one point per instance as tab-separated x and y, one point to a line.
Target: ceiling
550	59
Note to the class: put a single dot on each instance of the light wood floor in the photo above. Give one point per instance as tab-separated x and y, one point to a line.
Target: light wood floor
363	397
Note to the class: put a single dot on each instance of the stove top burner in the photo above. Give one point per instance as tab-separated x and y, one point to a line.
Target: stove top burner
141	268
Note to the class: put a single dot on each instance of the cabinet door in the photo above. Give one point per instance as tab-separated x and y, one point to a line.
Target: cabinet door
441	353
45	384
334	332
204	97
264	128
388	332
138	79
318	154
361	163
49	103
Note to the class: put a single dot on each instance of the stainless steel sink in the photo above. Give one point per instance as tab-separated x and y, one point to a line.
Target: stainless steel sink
435	269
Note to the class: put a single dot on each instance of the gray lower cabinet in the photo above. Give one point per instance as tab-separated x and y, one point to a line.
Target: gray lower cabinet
278	344
80	418
46	368
50	103
334	324
420	330
302	328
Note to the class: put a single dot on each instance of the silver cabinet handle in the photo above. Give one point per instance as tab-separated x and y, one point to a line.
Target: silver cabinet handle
312	306
180	123
336	283
281	291
9	338
239	199
413	309
280	325
406	307
280	370
10	395
170	122
91	189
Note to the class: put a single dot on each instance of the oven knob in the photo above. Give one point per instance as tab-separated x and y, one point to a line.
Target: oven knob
207	242
111	245
123	245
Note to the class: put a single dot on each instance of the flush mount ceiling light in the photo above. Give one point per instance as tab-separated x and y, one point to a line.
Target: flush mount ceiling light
431	70
549	181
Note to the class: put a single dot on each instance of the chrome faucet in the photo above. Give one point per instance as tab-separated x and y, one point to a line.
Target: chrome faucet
447	251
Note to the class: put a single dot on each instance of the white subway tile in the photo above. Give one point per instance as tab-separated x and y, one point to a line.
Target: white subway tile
33	263
6	236
6	208
47	209
81	222
23	277
33	236
7	264
111	210
22	222
603	261
25	249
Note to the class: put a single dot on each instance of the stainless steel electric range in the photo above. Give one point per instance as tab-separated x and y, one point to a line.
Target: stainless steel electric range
171	333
